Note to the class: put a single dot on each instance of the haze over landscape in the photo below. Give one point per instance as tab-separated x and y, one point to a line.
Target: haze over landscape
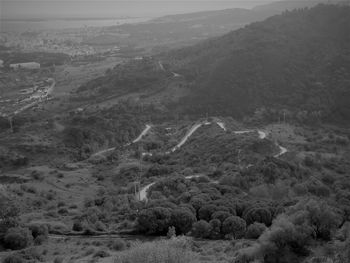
48	9
175	131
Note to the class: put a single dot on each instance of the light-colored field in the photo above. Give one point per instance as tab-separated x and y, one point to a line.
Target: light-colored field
70	77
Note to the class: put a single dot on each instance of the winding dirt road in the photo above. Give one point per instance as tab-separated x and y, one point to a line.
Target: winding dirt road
142	194
142	134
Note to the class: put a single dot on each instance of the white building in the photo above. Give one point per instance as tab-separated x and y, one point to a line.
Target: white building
26	65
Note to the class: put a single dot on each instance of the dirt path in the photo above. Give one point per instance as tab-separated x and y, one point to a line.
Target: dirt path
221	125
142	134
187	136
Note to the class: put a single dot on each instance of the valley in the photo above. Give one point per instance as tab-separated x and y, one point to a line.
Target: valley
225	139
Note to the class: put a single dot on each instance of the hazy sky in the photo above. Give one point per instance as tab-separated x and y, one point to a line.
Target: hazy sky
24	9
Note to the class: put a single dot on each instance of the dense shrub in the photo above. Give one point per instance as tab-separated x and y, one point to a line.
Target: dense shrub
31	254
18	238
13	259
8	214
176	250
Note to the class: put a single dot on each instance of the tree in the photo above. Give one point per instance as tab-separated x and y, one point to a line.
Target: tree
197	202
285	240
257	214
155	220
319	216
206	211
221	215
13	258
234	226
182	220
171	232
215	228
255	230
201	229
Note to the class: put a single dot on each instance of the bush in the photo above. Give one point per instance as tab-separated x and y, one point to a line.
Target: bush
101	254
13	259
117	244
201	229
58	260
39	230
18	238
170	251
8	215
234	226
255	230
39	240
31	255
62	211
319	190
77	226
37	175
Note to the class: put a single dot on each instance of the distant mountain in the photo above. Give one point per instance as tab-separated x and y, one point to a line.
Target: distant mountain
281	6
184	29
298	61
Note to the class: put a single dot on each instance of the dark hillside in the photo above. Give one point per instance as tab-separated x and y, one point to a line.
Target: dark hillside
299	60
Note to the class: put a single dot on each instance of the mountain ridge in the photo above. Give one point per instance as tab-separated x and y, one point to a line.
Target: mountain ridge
267	63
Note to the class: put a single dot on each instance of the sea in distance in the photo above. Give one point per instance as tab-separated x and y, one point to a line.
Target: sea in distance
29	15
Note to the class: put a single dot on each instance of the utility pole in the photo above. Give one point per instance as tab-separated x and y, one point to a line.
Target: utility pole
239	159
11	124
140	174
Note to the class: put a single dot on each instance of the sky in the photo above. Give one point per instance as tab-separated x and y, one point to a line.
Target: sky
53	9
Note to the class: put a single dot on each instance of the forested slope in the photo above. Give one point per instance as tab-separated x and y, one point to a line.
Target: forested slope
299	61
